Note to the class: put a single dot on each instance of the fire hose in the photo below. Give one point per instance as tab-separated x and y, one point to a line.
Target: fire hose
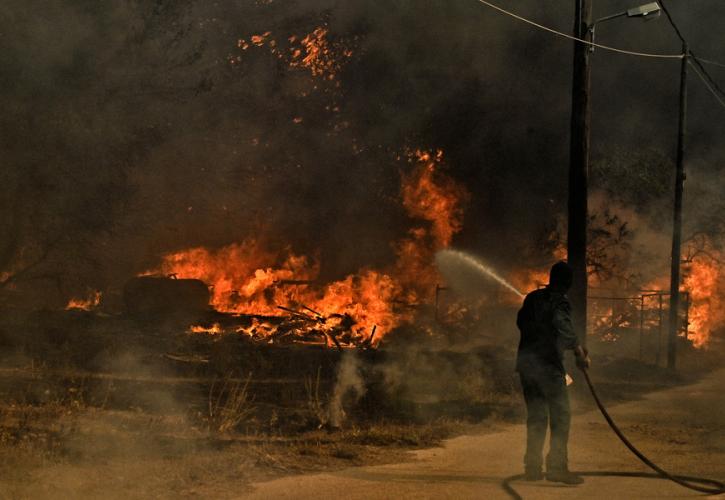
702	485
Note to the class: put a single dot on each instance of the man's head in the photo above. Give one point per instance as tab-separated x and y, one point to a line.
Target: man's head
560	276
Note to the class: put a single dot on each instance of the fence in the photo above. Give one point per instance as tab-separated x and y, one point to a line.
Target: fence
637	321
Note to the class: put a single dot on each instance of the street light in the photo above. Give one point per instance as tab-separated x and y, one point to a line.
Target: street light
579	151
647	12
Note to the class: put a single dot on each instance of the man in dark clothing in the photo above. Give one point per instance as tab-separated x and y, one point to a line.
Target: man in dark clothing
546	332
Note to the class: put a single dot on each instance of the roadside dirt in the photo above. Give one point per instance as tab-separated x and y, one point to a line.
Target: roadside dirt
682	428
70	434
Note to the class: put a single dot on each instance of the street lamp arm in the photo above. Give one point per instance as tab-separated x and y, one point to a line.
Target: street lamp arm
648	11
592	26
606	18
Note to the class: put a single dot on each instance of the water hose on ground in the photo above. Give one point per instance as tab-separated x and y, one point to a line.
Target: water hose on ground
693	483
702	485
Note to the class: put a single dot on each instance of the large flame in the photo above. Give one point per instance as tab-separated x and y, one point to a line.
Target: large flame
249	278
707	308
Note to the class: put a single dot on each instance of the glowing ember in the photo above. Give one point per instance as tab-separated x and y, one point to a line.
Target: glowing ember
259	40
92	301
317	56
313	51
251	279
210	330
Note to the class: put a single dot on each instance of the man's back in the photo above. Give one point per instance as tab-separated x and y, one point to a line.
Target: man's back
545	324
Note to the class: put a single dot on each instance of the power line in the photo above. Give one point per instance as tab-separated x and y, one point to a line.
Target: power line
708	61
570	37
703	74
672	22
699	69
710	78
707	85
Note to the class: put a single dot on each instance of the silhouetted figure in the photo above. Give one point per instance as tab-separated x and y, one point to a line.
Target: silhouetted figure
546	332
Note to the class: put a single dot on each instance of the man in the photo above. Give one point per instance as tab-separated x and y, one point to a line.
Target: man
546	332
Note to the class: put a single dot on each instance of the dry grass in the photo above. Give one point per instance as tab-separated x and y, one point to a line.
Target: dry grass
229	405
316	406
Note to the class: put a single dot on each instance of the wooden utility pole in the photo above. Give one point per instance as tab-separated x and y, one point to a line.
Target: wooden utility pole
674	322
579	167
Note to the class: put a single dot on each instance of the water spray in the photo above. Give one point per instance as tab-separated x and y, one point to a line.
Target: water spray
470	262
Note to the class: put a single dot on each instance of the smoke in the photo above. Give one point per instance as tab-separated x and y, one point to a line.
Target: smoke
428	381
349	388
141	138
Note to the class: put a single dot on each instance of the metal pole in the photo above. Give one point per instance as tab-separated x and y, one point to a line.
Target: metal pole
438	290
659	334
687	313
578	168
641	327
677	221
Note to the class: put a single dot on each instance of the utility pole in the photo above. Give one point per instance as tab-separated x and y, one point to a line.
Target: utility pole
579	168
677	222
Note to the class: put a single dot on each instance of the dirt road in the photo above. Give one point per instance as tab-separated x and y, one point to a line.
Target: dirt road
683	429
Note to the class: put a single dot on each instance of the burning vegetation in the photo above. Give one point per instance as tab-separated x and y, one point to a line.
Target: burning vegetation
247	278
615	309
703	283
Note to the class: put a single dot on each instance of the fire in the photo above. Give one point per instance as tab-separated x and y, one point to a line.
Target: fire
528	280
210	330
88	303
316	55
702	282
429	196
313	51
707	307
434	198
249	278
245	277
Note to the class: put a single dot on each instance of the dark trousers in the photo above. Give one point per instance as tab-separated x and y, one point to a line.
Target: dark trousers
547	402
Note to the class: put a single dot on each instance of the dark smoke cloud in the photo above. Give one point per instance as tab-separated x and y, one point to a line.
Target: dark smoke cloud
126	133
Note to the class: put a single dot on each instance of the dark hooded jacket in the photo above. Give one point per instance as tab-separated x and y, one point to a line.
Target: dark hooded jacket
546	331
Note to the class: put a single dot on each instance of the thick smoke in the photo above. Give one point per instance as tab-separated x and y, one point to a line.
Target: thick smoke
127	132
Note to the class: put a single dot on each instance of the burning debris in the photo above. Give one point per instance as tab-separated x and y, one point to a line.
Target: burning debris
280	293
90	302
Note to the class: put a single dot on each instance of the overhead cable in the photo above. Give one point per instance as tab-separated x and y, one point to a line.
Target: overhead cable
712	81
672	21
570	37
697	66
707	84
708	61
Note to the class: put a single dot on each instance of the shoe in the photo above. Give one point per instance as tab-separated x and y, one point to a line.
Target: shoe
564	476
533	475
